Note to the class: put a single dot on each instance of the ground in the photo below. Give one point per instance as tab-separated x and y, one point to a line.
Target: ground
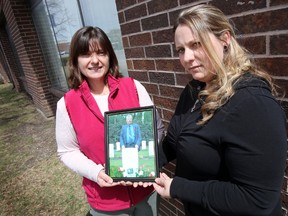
33	180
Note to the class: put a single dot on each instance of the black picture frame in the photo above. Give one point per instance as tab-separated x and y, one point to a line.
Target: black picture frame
131	163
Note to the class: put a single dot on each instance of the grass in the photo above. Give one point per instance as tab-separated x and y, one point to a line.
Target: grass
33	180
146	164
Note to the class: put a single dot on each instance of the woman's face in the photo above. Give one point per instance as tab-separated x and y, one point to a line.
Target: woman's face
94	65
193	57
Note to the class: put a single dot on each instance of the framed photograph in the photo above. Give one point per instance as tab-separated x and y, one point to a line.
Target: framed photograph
131	144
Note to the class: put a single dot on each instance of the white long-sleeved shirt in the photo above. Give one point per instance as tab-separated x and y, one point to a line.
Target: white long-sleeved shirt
68	147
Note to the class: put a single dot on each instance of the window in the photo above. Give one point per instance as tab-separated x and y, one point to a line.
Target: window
49	47
57	20
103	14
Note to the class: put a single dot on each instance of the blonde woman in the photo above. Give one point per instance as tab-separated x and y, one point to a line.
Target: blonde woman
228	131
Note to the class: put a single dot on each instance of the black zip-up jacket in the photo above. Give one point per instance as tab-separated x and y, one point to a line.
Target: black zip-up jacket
234	165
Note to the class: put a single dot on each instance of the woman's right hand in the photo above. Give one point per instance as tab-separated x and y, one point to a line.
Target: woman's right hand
104	180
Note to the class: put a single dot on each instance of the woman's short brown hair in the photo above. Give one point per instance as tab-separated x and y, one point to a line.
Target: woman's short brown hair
82	42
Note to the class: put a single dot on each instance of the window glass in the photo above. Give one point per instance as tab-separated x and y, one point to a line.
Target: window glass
49	47
65	20
103	13
56	21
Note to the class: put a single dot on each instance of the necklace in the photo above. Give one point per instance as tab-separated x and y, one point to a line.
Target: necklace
194	106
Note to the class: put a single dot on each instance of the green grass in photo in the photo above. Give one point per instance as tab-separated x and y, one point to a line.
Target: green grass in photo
146	164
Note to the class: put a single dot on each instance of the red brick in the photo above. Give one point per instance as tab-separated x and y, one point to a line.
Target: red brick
163	36
140	76
284	198
284	212
161	77
279	44
262	22
155	22
158	51
129	64
124	3
173	16
169	91
125	42
10	61
169	65
158	6
278	2
175	53
183	2
137	52
167	114
151	88
183	79
144	64
179	206
255	45
235	6
168	103
136	12
282	87
275	66
166	123
180	213
121	17
132	27
168	204
140	39
284	104
163	210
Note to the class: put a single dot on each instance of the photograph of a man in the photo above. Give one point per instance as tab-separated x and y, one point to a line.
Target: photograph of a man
130	135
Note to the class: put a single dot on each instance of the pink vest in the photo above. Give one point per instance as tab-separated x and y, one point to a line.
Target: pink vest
88	123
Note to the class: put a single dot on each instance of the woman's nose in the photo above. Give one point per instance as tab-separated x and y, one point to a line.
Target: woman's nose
189	55
94	58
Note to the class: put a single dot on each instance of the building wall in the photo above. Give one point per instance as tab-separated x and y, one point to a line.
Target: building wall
147	35
17	20
7	62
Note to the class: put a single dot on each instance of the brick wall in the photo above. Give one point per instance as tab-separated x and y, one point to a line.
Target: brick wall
18	21
8	63
146	27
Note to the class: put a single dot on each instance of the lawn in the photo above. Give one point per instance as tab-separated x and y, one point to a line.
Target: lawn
33	180
146	164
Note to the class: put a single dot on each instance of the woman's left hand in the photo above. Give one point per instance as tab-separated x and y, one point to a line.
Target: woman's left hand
162	185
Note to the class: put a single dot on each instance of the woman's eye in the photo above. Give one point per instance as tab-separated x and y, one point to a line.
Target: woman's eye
101	52
180	50
86	55
196	45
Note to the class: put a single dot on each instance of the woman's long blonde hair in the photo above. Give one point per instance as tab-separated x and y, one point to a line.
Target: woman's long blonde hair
204	19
